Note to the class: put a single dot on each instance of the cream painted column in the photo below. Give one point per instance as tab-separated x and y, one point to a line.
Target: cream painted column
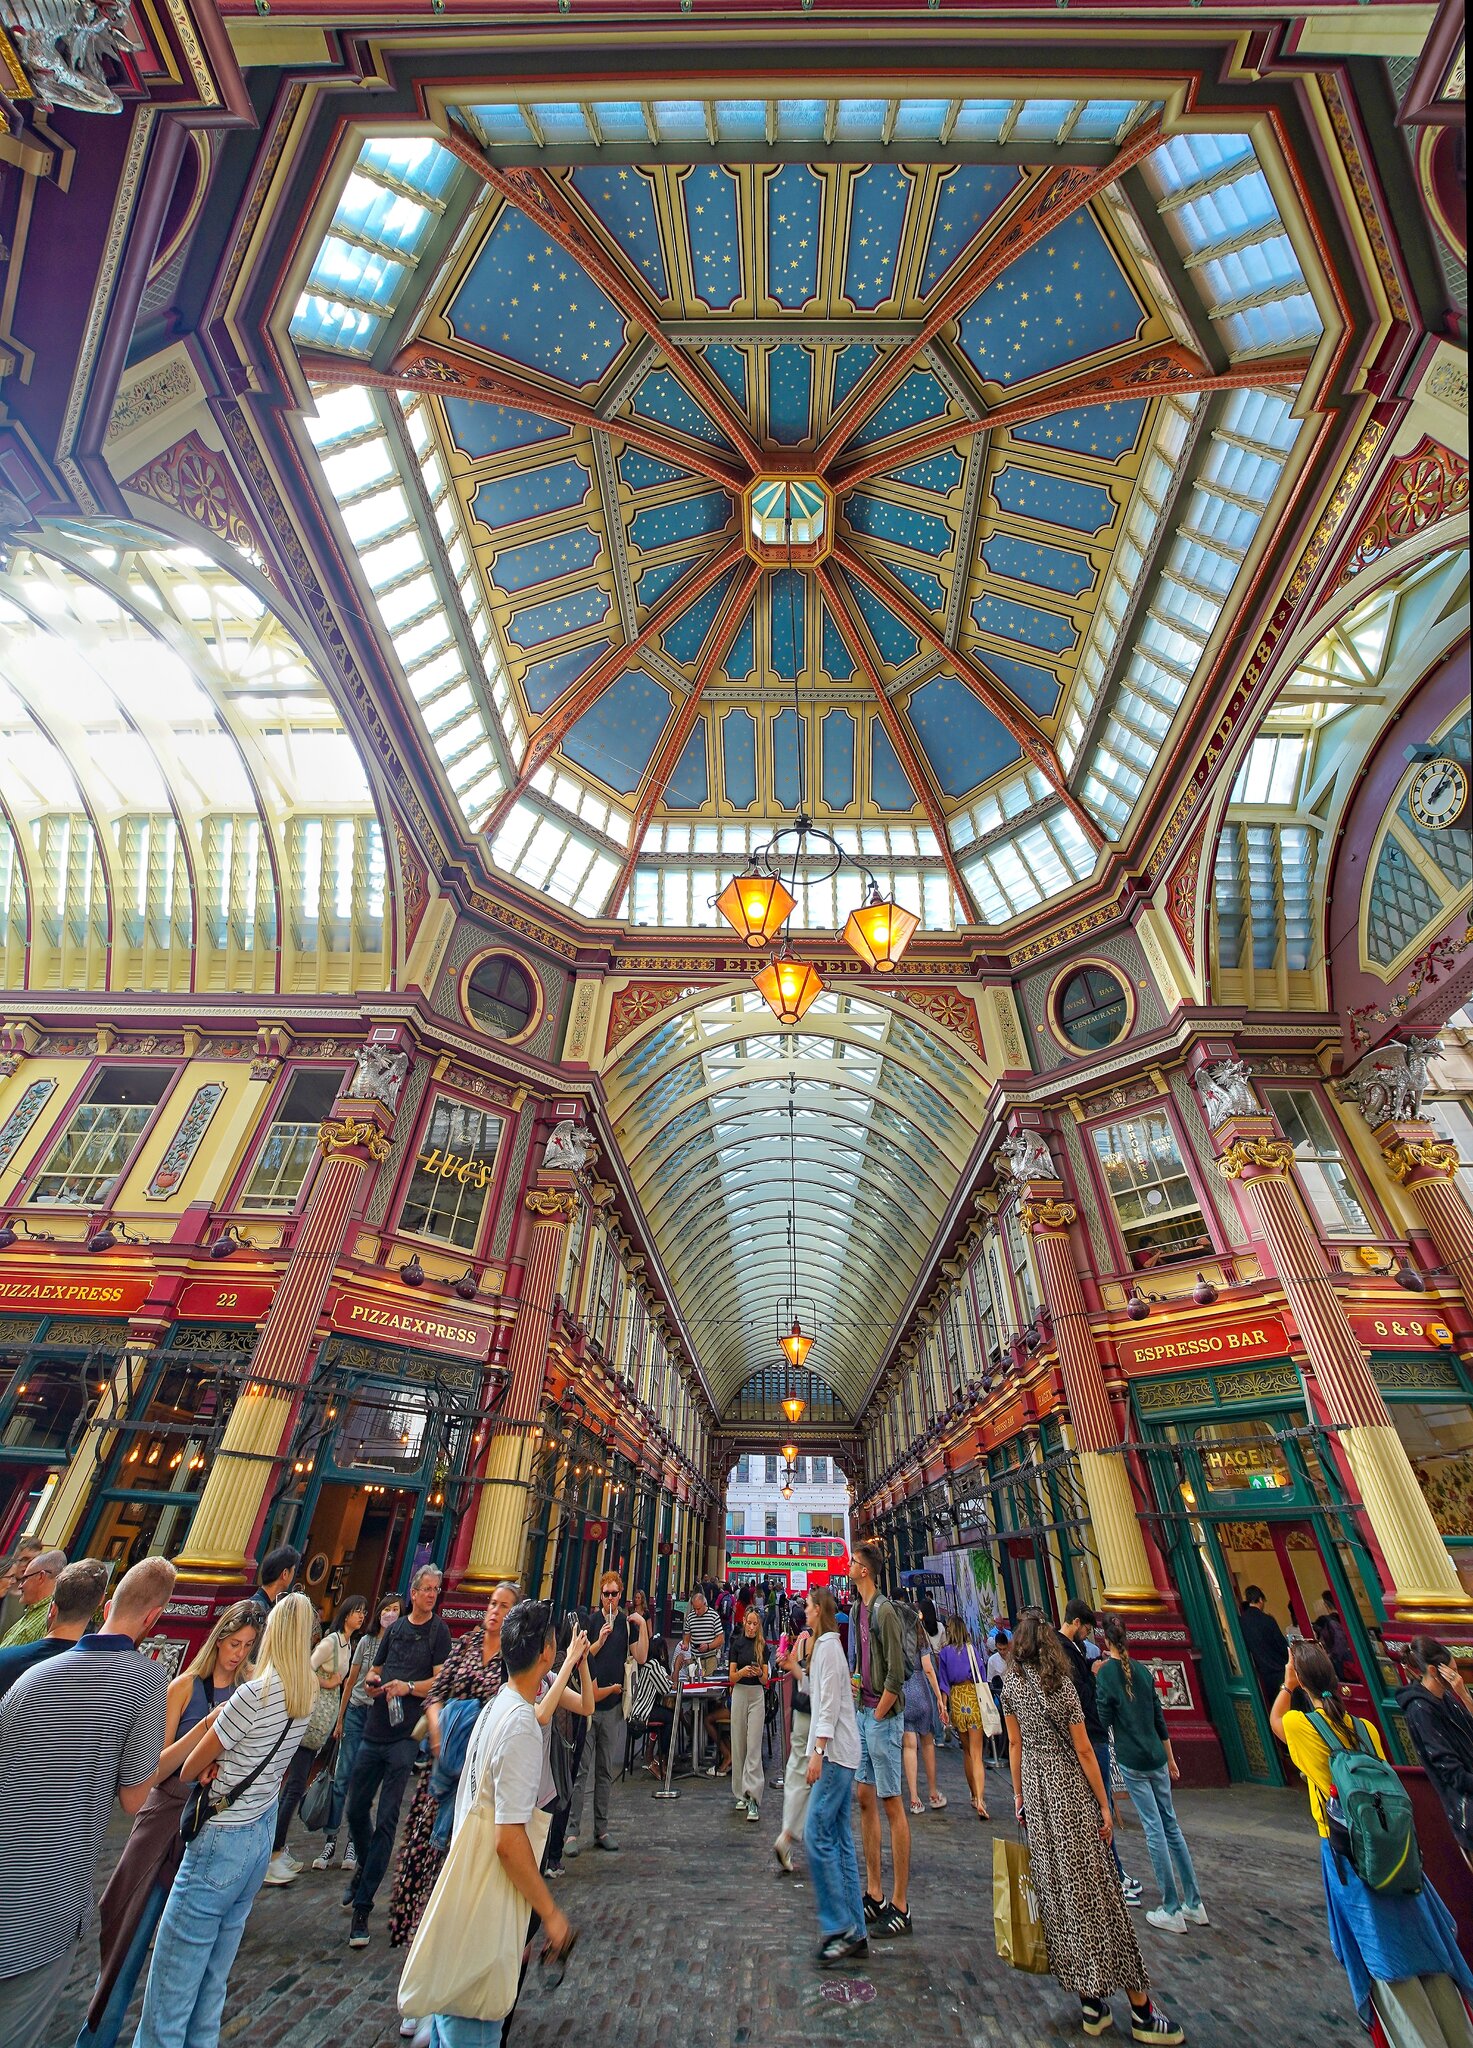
1113	1511
501	1511
1424	1586
353	1139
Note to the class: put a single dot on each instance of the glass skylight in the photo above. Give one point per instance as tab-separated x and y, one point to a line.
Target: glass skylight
391	203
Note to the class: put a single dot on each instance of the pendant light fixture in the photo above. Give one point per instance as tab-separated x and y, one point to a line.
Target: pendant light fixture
756	906
796	1345
789	987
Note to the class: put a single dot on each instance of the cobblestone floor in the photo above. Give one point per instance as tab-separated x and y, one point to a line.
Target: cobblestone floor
690	1936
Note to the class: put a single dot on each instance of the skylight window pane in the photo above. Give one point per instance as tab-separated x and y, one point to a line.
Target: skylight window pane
1185	159
358	468
348	410
408	600
1272	327
741	120
346	270
428	637
621	120
323	323
861	120
386	217
562	121
800	120
384	512
416	160
394	558
681	120
501	125
1041	120
1102	120
920	120
981	120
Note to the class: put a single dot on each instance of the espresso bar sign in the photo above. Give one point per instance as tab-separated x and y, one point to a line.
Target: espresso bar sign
1221	1344
423	1329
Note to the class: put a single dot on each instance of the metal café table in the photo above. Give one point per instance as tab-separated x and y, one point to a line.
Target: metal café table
694	1694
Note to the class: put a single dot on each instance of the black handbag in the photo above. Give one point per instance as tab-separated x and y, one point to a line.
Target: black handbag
204	1804
318	1803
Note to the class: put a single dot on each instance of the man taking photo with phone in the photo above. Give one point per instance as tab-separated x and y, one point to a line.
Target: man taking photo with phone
616	1637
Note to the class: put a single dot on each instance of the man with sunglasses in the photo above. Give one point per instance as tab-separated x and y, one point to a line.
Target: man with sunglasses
36	1585
610	1633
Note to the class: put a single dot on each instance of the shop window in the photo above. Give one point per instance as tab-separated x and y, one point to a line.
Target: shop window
382	1431
769	1522
1241	1457
44	1405
1092	1009
736	1522
1021	1260
88	1160
500	996
290	1144
989	1340
1439	1441
1149	1187
453	1175
1326	1185
820	1525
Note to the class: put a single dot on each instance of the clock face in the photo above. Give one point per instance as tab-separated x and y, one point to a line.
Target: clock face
1438	793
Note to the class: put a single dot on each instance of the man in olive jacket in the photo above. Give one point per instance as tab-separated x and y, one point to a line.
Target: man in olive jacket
877	1662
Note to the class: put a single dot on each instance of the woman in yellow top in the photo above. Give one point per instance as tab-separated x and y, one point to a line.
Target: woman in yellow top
1411	1984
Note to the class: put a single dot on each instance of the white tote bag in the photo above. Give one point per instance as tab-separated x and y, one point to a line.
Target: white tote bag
466	1955
986	1704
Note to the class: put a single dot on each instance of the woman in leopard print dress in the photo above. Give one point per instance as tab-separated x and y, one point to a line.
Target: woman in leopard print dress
1059	1797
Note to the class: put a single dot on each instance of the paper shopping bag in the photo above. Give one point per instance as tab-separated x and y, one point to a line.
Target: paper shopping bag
466	1955
1015	1919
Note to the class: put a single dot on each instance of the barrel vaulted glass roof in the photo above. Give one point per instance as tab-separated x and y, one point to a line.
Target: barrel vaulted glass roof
858	1124
1042	353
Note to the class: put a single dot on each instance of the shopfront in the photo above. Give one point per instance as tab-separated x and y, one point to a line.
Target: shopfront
52	1370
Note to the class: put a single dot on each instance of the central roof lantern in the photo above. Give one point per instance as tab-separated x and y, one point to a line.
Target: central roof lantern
788	518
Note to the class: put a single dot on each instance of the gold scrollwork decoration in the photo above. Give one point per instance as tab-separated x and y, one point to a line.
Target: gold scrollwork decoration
1049	1213
1408	1155
1269	1156
550	1202
350	1133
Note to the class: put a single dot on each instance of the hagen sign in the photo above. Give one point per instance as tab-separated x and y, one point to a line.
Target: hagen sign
423	1329
1222	1344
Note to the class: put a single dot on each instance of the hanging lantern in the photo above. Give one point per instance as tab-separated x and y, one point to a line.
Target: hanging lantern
879	932
787	1493
756	907
793	1406
789	988
796	1348
790	1454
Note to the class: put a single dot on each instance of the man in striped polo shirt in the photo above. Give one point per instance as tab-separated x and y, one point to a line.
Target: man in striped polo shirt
75	1734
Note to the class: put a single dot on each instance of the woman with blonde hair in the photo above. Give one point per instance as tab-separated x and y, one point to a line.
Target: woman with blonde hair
133	1903
747	1670
242	1757
970	1708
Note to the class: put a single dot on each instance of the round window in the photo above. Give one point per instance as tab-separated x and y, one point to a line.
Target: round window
1092	1009
501	996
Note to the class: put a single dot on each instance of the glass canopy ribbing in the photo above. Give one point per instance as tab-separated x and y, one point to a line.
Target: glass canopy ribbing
885	1111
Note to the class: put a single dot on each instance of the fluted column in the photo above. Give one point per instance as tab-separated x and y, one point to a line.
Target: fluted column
353	1140
1427	1167
501	1511
1424	1585
1113	1512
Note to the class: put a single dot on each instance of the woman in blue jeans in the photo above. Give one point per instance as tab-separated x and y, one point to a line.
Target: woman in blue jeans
351	1717
833	1758
243	1757
1130	1708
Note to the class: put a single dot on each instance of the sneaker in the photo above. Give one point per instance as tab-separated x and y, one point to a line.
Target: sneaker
842	1948
350	1893
358	1932
739	1804
295	1861
1195	1916
328	1857
604	1842
754	1811
408	2028
571	1847
783	1854
873	1908
554	1870
1096	2017
1130	1890
279	1871
1153	2025
1166	1923
350	1858
890	1921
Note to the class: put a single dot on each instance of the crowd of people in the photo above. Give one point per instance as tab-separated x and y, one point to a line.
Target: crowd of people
279	1721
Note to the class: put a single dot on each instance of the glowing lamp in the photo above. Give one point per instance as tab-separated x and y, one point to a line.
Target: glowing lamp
756	907
879	932
796	1348
789	988
790	1454
794	1404
787	1493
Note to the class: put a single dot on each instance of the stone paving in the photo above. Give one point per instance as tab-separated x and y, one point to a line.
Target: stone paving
690	1936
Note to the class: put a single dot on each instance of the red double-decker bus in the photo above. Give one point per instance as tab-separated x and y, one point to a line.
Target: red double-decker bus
799	1561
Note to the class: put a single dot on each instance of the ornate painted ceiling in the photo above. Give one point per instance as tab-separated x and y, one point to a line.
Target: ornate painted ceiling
1026	370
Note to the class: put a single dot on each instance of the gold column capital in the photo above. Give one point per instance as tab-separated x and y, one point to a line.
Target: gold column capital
1426	1158
551	1205
1046	1213
344	1134
1256	1158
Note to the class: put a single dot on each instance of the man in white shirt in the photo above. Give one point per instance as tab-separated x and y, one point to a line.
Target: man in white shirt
509	1741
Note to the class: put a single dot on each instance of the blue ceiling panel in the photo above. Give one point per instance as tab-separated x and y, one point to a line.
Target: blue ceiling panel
545	681
897	644
794	206
851	362
526	300
503	501
661	399
1107	431
709	195
879	198
657	582
682	519
537	623
963	741
643	472
1055	500
1036	687
741	657
730	366
479	429
788	598
889	785
1027	561
1024	622
919	398
941	472
881	519
739	759
684	640
969	198
623	200
689	786
838	662
542	561
615	737
789	394
920	583
837	733
789	733
1063	300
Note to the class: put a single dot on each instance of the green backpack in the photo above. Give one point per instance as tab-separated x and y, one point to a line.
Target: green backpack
1369	1813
